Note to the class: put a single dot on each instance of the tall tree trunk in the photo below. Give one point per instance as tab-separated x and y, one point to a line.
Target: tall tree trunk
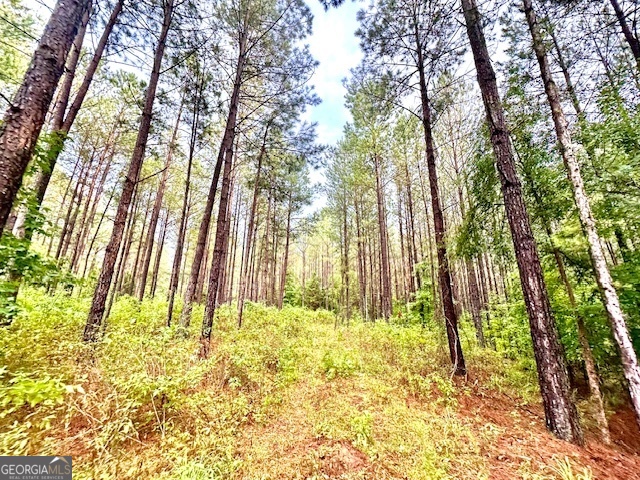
248	250
444	274
157	206
218	252
25	116
560	411
96	312
63	124
226	145
603	276
177	259
385	270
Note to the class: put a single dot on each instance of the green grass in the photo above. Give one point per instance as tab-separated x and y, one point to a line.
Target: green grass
287	396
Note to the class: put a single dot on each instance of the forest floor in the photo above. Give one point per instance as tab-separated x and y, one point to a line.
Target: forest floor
289	396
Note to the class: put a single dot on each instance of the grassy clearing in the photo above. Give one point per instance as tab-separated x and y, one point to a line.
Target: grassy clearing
287	396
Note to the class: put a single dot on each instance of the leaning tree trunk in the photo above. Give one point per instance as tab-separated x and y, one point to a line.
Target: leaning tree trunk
25	116
560	411
63	126
631	39
104	280
603	276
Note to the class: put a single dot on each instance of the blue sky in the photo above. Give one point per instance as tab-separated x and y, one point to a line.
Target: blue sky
335	46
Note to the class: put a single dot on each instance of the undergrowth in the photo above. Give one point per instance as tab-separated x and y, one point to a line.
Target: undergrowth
141	404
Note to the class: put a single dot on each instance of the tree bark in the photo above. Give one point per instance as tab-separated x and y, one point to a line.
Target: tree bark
96	312
25	116
64	126
560	411
603	276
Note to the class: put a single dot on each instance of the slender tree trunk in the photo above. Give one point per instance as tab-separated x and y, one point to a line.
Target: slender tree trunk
156	263
157	206
25	116
444	274
248	250
226	145
94	206
177	259
218	252
285	260
560	411
385	270
96	312
603	276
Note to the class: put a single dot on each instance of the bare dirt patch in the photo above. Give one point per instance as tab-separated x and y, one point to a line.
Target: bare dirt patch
521	441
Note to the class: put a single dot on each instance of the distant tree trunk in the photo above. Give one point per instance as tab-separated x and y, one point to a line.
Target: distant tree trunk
385	270
25	116
472	282
444	274
177	259
362	269
156	263
232	265
94	206
248	247
434	280
96	312
413	252
157	206
603	276
95	235
72	213
560	411
130	288
85	211
226	145
285	260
